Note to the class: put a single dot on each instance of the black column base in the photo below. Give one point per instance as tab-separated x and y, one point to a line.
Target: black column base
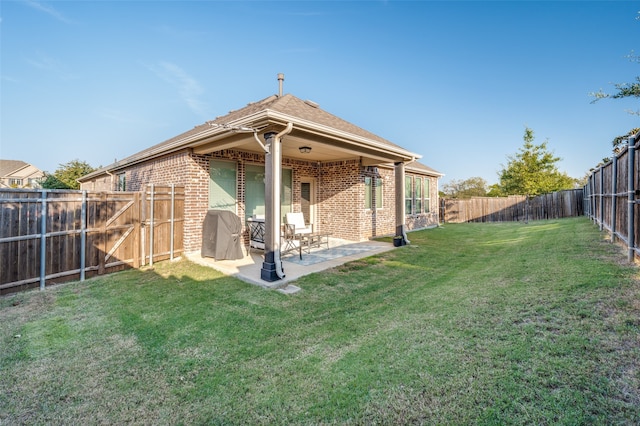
399	241
268	272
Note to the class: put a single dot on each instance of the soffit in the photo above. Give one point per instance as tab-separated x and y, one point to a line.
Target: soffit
323	147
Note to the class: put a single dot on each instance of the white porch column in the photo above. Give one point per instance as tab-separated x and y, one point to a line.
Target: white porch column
400	208
271	267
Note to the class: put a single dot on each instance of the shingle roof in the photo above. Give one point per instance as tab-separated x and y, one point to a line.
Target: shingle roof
288	105
9	166
419	167
307	110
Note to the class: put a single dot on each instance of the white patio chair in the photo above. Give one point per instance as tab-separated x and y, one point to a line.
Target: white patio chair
297	220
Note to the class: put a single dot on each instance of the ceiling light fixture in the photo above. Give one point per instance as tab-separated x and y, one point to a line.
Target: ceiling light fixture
305	149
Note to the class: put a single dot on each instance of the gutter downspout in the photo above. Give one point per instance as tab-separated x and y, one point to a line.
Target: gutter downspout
110	179
264	148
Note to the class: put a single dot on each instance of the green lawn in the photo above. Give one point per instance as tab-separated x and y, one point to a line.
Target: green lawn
471	323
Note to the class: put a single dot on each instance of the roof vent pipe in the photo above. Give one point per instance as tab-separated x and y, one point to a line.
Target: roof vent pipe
280	80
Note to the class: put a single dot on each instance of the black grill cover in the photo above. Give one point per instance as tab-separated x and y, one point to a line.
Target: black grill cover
221	235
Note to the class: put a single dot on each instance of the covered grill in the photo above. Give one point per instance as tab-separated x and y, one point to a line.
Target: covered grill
221	235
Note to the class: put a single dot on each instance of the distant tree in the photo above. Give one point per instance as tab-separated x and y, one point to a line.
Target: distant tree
495	191
532	171
51	182
623	90
66	175
472	187
580	182
620	140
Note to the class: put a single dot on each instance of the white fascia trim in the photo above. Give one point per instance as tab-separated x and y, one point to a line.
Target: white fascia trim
260	116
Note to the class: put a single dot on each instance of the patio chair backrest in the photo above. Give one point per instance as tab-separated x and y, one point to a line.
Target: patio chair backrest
297	220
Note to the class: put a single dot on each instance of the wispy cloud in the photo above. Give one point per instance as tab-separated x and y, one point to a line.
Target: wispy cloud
188	87
47	63
9	79
49	10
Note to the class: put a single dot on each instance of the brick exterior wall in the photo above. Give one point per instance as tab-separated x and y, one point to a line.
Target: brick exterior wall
341	199
340	192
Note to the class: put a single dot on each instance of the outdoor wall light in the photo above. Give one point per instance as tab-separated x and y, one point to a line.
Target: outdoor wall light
305	149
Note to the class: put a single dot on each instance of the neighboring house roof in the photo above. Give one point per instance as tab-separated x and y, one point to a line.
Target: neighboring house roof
20	171
8	167
311	123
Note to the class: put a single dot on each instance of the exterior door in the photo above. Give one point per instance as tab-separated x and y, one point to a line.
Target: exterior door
307	200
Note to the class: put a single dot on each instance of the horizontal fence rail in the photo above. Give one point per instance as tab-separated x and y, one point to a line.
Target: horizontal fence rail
514	208
612	197
52	236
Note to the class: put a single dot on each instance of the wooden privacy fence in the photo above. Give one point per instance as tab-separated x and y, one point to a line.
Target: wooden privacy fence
51	236
612	196
514	208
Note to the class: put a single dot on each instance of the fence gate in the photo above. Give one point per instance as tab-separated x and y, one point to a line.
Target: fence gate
52	236
113	234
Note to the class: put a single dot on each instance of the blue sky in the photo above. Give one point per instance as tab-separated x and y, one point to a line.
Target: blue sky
456	82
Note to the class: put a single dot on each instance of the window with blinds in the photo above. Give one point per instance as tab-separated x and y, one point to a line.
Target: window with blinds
254	191
222	185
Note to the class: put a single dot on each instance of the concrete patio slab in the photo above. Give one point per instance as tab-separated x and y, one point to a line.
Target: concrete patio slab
248	268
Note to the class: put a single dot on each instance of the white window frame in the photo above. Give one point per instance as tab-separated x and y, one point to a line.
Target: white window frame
426	192
408	196
373	186
121	182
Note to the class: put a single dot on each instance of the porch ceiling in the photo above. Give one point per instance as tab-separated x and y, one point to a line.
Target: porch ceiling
323	148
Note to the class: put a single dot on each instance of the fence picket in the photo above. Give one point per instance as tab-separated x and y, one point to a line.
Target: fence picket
513	208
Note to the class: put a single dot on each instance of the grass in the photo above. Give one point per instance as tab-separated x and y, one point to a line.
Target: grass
471	323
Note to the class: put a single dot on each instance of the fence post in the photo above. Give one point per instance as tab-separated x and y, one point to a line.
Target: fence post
101	211
137	230
593	197
601	207
143	226
43	239
83	235
614	195
586	201
173	199
151	225
631	198
590	196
